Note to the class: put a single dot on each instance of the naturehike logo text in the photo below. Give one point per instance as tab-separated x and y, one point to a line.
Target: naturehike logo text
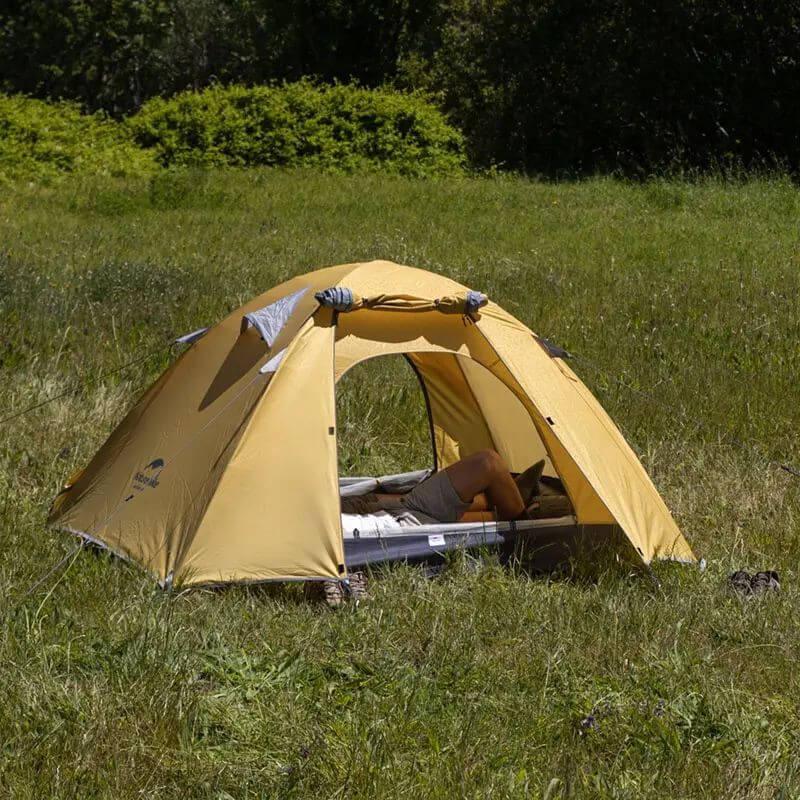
147	477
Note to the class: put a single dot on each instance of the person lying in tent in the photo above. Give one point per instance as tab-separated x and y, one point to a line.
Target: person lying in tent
466	490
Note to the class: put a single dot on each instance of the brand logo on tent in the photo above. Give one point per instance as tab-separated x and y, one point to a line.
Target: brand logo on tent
146	478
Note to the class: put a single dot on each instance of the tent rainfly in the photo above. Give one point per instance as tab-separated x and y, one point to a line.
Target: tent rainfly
226	469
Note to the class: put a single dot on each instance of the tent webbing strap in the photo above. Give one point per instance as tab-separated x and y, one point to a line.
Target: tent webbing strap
342	299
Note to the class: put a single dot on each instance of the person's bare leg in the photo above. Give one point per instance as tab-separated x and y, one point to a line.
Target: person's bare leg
485	471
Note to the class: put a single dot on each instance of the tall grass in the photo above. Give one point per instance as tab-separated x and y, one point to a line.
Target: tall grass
682	298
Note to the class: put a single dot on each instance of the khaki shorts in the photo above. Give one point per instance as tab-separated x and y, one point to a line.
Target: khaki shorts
435	500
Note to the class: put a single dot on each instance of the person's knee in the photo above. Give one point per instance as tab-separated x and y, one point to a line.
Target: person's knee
491	463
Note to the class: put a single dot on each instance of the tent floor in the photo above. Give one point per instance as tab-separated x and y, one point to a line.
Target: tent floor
548	543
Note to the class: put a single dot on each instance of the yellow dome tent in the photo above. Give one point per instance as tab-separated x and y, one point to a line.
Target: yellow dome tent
226	468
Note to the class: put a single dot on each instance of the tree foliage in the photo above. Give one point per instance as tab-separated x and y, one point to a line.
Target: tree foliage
586	84
115	54
545	85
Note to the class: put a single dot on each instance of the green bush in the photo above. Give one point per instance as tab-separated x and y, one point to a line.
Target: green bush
42	140
336	128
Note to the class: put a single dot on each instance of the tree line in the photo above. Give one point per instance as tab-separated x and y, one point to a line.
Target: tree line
547	86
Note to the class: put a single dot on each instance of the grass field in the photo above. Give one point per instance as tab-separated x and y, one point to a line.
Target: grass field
684	302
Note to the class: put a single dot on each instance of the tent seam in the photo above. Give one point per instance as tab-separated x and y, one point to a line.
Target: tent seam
558	439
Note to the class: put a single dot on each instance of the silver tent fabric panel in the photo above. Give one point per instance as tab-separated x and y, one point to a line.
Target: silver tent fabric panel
273	364
191	338
439	529
269	320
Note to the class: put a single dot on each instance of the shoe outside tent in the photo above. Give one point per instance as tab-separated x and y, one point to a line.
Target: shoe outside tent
226	468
